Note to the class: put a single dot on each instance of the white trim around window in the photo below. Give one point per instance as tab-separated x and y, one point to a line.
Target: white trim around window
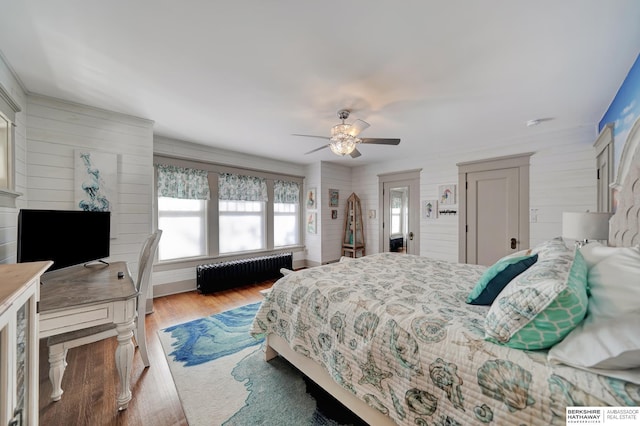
212	210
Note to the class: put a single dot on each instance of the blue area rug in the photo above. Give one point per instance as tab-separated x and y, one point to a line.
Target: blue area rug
222	378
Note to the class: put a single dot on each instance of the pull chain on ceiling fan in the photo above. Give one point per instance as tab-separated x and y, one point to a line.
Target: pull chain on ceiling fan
344	140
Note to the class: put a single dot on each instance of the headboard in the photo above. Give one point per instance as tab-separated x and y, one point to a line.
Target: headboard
624	227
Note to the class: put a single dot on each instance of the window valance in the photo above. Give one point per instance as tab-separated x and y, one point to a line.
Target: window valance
182	182
241	188
286	192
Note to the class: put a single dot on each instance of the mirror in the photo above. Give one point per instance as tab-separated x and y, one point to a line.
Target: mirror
398	218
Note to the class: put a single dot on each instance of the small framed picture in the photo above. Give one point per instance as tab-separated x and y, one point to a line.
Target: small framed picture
311	198
334	196
447	194
334	214
430	209
311	223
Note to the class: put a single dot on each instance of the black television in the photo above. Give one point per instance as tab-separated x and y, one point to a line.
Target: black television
67	237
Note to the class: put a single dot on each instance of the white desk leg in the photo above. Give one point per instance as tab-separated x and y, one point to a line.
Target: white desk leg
57	364
124	362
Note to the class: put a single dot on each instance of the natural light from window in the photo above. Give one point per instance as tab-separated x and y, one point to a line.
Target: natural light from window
285	224
241	226
183	224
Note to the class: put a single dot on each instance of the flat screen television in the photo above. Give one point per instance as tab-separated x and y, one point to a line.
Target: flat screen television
67	237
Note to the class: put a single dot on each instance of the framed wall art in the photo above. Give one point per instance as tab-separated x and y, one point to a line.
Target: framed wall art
96	183
430	209
334	196
311	223
447	194
311	198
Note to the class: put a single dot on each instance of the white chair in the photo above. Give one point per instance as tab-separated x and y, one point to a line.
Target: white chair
60	344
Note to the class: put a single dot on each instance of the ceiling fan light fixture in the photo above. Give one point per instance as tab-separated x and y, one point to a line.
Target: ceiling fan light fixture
343	143
344	137
340	129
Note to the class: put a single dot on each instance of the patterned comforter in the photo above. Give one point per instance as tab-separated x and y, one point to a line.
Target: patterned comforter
394	329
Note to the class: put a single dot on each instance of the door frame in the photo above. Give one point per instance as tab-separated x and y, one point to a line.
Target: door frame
520	161
414	204
604	148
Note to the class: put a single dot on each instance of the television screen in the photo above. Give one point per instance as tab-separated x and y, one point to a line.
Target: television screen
67	237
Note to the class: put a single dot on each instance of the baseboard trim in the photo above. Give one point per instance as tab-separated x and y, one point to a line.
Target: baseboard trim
167	289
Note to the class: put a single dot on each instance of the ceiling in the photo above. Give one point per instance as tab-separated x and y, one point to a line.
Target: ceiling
244	75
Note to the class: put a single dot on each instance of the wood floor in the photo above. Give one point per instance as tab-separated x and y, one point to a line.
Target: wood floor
90	381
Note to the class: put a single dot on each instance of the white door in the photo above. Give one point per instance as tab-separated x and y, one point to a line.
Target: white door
492	215
401	216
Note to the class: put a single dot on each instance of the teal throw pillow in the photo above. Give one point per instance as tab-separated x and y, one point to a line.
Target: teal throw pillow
499	275
542	305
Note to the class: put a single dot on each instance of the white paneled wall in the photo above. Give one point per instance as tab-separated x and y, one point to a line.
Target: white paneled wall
333	176
313	242
562	178
55	129
192	151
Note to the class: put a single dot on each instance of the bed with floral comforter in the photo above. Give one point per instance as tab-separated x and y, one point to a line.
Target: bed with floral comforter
395	331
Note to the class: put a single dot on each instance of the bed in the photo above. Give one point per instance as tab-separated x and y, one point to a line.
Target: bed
393	338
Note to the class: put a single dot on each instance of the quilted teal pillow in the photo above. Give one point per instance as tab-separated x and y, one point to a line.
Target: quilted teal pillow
499	275
542	305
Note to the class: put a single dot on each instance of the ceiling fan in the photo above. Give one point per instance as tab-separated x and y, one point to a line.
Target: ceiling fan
344	137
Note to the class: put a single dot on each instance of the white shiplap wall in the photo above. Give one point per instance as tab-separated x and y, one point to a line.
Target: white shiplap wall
562	178
185	276
9	216
333	176
55	129
313	242
192	151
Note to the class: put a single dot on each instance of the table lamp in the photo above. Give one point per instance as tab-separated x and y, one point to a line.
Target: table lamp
585	226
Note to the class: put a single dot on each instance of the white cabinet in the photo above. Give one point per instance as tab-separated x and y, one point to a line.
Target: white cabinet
19	292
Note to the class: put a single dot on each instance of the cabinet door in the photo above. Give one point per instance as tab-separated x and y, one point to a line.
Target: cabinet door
18	360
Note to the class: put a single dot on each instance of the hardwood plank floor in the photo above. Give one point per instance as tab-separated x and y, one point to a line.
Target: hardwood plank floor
90	381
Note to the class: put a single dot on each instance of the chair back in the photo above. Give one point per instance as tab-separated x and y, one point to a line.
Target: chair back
145	263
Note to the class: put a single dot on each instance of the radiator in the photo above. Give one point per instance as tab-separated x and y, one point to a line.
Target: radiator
234	273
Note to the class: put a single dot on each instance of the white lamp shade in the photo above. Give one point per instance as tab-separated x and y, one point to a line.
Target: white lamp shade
585	226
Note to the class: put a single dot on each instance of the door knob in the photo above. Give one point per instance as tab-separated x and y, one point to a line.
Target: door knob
513	243
411	236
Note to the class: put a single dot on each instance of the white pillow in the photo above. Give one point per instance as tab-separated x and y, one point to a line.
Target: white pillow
613	281
608	340
610	348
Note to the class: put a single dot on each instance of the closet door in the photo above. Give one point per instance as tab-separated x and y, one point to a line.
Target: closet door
493	208
492	215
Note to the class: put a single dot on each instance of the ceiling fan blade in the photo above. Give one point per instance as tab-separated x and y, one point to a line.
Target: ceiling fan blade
317	149
355	153
381	141
310	136
358	126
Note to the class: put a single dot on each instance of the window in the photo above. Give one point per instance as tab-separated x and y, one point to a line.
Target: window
184	231
285	224
242	225
5	127
286	214
253	211
182	212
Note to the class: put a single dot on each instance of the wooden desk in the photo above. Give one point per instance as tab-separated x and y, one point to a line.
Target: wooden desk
80	297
